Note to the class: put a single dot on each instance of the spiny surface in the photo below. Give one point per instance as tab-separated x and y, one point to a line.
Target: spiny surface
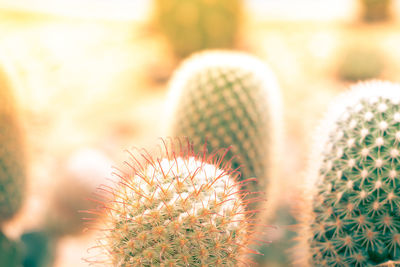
176	212
357	205
12	165
192	25
227	105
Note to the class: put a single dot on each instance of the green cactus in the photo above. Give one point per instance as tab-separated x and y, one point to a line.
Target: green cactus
39	249
376	10
360	63
355	192
12	164
229	99
192	25
176	209
10	252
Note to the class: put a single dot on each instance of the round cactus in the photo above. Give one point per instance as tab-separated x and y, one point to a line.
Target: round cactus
12	163
229	99
355	183
192	25
177	209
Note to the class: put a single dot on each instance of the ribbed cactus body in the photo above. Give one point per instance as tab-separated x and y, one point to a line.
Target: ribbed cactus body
176	210
228	99
192	25
356	199
12	164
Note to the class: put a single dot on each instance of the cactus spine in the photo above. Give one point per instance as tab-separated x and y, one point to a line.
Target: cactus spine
192	25
355	201
177	209
229	99
12	164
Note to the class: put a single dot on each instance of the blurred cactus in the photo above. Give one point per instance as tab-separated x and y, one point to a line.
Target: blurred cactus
229	99
12	162
354	181
176	209
192	25
10	252
79	176
376	10
39	249
360	63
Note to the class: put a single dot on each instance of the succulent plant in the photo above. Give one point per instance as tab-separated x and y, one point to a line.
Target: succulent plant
12	162
354	182
10	252
39	249
376	10
360	63
229	99
176	209
192	25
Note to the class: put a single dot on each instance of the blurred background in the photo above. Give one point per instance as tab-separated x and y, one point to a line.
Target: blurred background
90	80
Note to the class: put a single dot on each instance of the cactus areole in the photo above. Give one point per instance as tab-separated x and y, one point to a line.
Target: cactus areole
178	209
356	202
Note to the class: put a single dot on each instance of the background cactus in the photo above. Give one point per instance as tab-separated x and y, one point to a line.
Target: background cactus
360	63
376	10
229	99
12	162
10	252
177	209
192	25
355	201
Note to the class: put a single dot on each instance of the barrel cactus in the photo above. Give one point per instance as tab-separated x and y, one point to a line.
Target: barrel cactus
12	162
229	99
192	25
175	209
355	183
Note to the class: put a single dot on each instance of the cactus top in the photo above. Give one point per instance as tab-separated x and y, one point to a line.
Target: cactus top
176	211
229	99
354	176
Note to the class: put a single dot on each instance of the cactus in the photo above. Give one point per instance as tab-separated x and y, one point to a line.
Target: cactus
354	181
12	164
176	209
376	10
10	252
229	99
192	25
39	249
360	63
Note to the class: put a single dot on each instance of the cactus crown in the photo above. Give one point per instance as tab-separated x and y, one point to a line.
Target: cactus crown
178	209
355	202
227	99
12	164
